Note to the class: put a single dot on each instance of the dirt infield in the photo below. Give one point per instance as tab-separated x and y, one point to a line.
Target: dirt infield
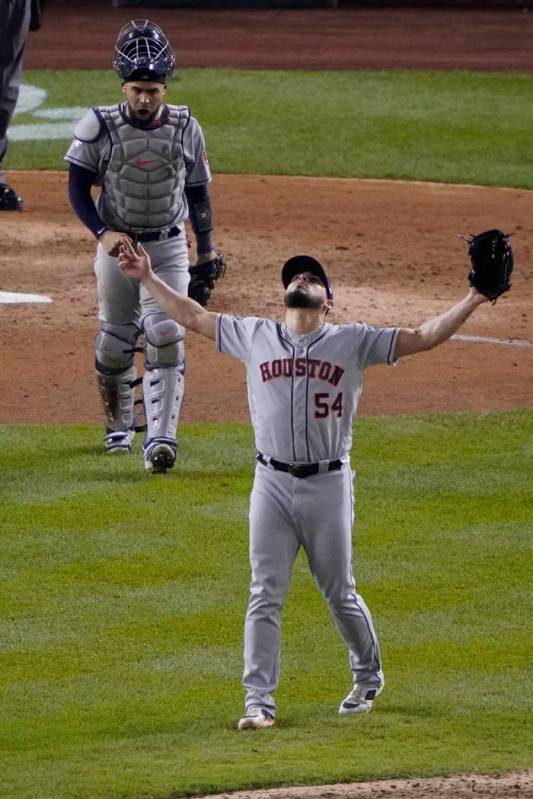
507	786
392	253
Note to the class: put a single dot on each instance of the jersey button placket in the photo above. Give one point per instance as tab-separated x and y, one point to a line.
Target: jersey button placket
299	409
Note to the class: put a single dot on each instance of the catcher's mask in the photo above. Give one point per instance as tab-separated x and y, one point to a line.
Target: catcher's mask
304	263
143	52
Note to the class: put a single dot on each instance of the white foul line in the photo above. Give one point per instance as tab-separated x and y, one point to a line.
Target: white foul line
513	342
12	296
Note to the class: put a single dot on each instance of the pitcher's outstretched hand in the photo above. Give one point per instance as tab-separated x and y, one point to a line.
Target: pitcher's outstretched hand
134	261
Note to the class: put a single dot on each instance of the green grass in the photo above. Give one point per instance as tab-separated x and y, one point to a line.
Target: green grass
122	599
445	126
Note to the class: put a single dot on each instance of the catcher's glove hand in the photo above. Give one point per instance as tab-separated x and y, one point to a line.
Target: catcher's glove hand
491	256
204	278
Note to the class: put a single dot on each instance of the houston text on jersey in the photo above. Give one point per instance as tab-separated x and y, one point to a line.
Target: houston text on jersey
301	367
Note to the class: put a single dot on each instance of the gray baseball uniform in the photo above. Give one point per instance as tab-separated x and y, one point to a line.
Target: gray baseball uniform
303	393
143	172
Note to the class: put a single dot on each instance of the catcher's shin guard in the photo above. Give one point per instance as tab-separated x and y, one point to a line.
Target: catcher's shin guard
115	374
163	381
163	390
117	394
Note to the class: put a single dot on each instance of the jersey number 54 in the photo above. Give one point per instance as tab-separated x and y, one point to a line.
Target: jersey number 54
323	407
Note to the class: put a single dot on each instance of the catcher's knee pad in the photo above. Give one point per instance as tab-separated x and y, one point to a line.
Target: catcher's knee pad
163	341
114	348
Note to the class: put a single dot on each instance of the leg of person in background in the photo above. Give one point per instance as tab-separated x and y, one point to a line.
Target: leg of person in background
14	27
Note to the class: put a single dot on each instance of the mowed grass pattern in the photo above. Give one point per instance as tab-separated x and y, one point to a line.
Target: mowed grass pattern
458	127
123	597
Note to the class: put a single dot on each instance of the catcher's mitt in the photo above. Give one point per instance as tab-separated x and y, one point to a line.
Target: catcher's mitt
491	256
204	278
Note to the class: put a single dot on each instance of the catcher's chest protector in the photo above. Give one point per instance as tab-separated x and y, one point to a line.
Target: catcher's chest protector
145	174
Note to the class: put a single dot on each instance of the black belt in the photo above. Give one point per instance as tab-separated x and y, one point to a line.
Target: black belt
158	235
298	469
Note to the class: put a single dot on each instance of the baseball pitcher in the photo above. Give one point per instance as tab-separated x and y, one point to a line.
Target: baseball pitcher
304	381
148	159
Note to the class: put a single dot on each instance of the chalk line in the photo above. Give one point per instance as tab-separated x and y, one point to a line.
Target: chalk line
511	342
15	296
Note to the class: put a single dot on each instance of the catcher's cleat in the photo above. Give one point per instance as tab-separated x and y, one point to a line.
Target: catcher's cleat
360	699
9	199
159	456
118	441
257	719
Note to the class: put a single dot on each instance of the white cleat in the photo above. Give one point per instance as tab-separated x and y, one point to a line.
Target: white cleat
159	457
118	441
360	699
256	719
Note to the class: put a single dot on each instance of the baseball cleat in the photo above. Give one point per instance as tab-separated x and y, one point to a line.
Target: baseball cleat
360	699
9	199
119	441
159	457
257	719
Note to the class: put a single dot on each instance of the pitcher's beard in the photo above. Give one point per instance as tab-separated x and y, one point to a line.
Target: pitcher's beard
299	297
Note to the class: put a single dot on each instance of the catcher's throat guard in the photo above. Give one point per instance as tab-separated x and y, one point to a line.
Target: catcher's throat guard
143	52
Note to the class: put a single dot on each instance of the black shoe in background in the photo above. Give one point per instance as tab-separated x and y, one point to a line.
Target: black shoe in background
9	199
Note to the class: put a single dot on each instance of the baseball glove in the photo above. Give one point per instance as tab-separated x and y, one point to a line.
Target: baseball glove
204	278
491	257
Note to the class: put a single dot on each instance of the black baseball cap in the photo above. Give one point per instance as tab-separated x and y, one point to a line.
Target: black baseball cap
304	263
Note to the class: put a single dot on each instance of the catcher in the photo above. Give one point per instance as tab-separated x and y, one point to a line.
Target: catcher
149	160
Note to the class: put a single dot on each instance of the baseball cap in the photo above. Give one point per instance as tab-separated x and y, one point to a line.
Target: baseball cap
304	263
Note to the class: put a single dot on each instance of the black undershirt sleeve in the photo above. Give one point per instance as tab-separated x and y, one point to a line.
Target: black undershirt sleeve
80	181
199	194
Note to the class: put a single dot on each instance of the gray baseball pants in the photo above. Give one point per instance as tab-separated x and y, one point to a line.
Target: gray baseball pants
120	299
14	26
315	513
